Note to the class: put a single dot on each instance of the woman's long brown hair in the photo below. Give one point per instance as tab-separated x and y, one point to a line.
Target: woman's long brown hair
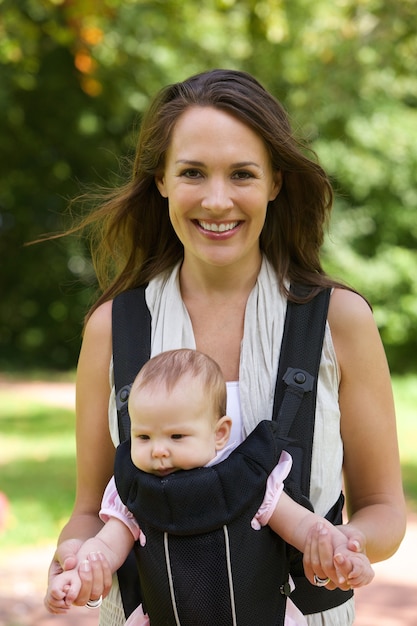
131	236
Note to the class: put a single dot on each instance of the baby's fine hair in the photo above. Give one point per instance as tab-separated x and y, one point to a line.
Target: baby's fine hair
168	368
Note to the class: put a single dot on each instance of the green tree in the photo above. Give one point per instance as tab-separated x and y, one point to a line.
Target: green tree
77	75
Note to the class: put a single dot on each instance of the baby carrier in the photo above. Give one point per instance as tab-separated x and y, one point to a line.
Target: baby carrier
294	413
202	563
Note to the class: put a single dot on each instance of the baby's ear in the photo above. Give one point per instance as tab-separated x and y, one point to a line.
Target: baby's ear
222	432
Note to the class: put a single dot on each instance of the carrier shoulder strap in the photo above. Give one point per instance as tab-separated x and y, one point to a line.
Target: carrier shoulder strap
131	328
296	385
295	410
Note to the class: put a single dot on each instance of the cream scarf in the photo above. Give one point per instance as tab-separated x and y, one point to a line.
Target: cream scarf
260	348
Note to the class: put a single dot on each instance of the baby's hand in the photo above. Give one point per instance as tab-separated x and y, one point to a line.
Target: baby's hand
360	570
55	605
58	595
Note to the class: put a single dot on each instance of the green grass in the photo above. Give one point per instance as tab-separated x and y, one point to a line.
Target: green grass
37	469
405	393
37	463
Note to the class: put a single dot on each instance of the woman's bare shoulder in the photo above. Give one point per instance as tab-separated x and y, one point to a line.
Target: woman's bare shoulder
348	308
100	320
354	331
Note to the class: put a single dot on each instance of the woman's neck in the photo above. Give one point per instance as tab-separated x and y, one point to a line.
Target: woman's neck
211	281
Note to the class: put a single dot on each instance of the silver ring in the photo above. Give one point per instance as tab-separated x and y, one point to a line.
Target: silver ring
321	582
94	604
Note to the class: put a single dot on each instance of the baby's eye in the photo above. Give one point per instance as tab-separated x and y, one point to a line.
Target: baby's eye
177	436
143	437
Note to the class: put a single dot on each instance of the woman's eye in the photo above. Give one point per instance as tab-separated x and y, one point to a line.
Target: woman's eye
244	175
191	173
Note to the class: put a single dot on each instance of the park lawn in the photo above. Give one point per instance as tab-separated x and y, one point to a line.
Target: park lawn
405	394
37	470
37	463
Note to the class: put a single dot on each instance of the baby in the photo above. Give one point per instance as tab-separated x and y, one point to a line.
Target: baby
177	408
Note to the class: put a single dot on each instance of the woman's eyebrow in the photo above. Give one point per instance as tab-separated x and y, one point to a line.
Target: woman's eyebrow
233	165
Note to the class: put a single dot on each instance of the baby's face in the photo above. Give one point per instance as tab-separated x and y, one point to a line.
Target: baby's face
172	430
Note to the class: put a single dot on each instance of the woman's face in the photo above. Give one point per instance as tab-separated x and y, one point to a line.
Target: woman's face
218	180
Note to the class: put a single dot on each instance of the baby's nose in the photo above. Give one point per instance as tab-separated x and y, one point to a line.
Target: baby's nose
159	450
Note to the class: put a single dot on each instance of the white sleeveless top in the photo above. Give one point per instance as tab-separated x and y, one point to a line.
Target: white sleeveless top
233	411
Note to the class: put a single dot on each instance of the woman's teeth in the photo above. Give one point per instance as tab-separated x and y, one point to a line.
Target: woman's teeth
218	228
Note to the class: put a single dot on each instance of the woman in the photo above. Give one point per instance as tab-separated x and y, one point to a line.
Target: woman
224	210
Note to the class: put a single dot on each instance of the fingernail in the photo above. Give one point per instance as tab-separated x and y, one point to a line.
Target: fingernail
357	545
85	566
93	556
339	558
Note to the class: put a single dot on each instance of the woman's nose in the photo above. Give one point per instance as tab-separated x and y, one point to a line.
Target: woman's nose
217	196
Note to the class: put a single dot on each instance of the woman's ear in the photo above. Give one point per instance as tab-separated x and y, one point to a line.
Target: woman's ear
222	431
276	184
160	183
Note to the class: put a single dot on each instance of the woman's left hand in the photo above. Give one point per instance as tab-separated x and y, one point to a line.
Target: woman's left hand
318	560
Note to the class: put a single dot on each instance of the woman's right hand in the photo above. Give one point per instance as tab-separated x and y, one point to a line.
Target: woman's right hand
65	557
94	572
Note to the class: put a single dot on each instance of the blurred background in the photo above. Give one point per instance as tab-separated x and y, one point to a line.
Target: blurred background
75	78
76	75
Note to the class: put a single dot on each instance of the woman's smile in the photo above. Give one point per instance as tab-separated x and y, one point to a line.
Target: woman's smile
219	229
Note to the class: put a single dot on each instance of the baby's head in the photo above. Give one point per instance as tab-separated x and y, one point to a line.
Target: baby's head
177	408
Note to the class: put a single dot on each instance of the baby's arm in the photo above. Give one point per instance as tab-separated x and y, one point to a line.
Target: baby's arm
113	542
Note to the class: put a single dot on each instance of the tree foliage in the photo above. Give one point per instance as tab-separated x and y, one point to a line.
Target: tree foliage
76	76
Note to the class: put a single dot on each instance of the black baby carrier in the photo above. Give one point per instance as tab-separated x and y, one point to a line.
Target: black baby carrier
292	428
202	563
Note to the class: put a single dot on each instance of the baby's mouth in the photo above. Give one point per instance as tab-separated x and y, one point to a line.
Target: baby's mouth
164	471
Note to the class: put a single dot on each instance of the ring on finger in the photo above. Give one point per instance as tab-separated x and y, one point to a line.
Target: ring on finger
94	604
321	582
